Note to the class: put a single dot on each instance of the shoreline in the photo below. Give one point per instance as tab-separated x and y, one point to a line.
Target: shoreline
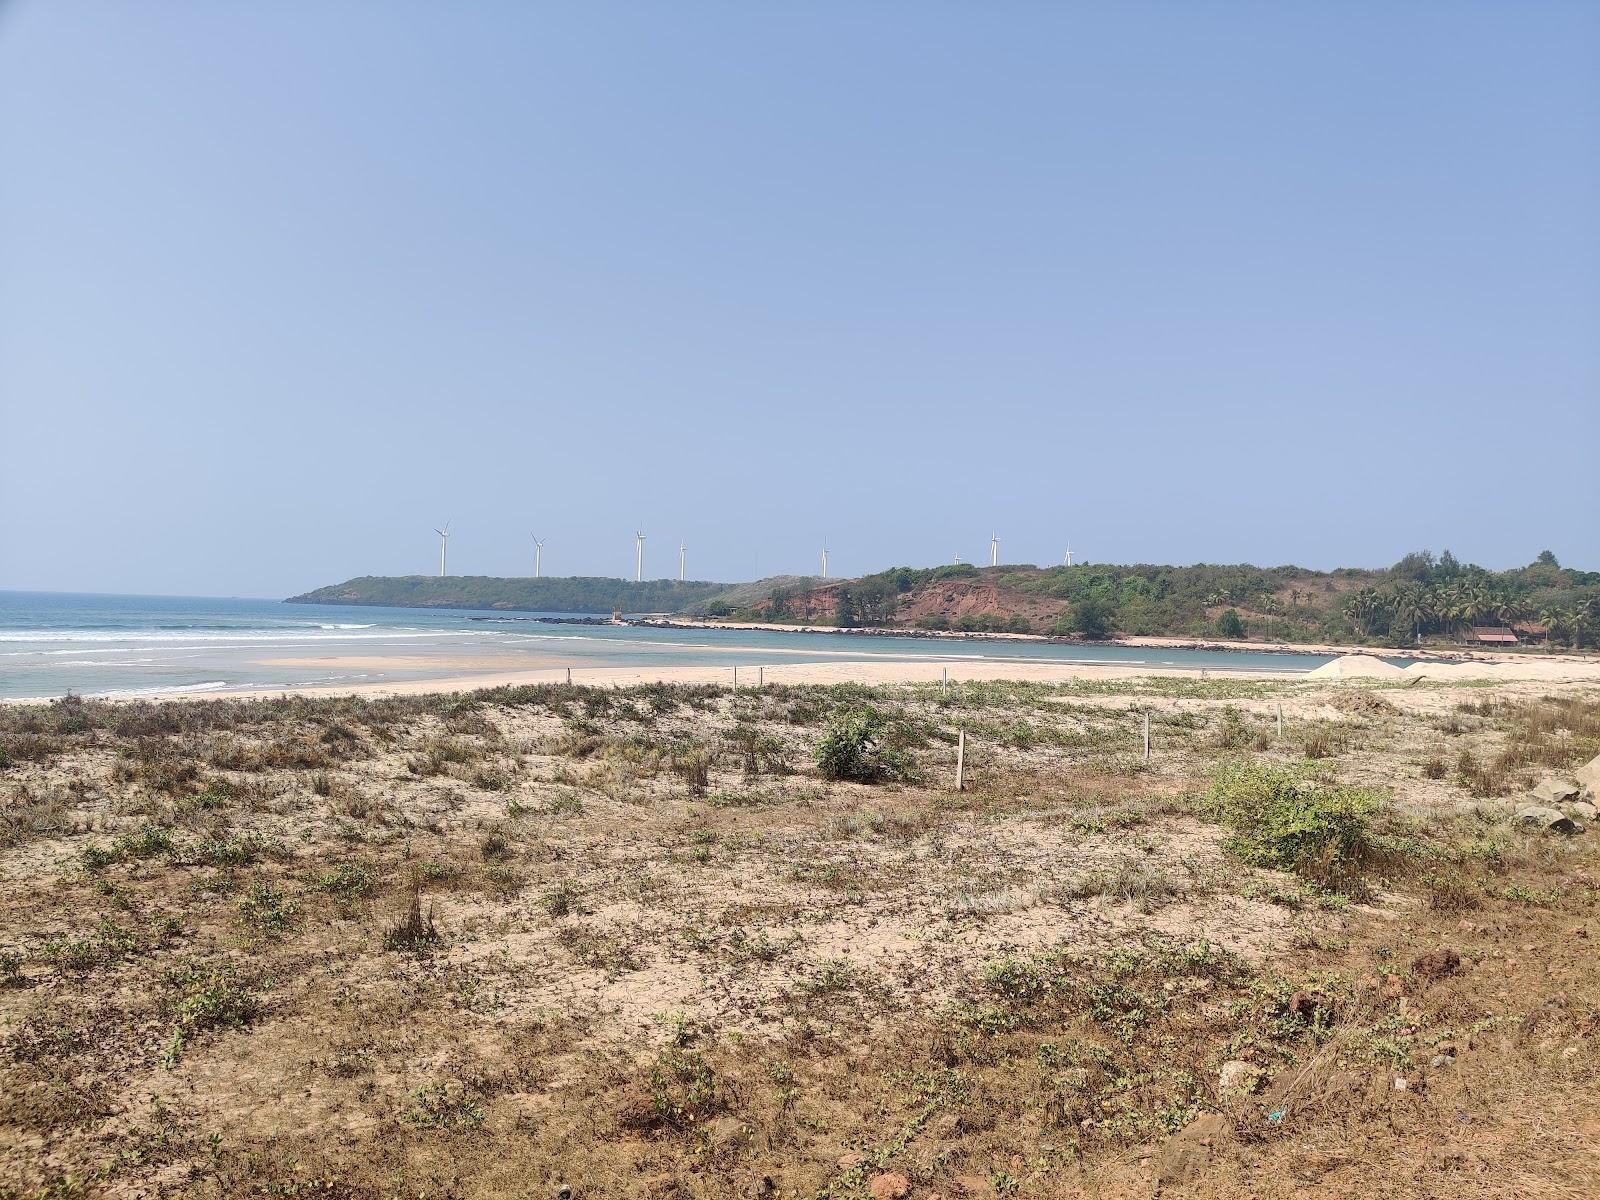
842	671
864	672
1131	641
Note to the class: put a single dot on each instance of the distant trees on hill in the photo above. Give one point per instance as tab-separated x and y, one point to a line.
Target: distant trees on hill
1424	596
1420	595
577	594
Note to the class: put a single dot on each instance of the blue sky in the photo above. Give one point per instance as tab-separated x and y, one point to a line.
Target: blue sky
282	286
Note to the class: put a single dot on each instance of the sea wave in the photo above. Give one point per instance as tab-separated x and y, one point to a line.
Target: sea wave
213	685
225	637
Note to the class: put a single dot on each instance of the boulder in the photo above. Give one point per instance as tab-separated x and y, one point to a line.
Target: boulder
891	1185
1553	792
1553	820
1584	811
1589	775
1186	1153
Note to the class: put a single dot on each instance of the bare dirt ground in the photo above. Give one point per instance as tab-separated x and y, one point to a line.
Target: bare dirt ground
636	941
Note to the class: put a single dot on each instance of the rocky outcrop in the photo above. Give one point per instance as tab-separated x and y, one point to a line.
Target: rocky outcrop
1551	820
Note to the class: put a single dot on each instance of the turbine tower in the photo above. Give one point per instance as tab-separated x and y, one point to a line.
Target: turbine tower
444	544
538	553
824	562
1069	554
638	556
682	550
994	549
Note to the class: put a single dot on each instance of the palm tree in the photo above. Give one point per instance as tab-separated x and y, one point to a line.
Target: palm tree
1578	619
1550	618
1507	609
1412	608
1363	608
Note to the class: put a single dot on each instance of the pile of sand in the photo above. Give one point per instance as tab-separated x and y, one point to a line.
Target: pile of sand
1357	666
1503	672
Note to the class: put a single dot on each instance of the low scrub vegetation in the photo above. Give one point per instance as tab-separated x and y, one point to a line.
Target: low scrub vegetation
1292	820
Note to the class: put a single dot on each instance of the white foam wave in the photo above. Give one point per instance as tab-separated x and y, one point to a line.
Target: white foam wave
103	663
220	636
134	693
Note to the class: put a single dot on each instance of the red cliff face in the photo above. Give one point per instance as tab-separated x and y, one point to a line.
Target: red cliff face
946	598
951	598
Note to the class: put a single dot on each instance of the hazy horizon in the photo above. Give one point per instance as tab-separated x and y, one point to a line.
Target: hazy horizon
287	286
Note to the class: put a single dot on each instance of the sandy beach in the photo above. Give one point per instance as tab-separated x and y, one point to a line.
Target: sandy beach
1150	641
468	673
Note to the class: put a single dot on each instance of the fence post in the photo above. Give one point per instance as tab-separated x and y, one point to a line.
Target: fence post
761	677
1280	720
944	679
736	679
569	676
1147	735
961	759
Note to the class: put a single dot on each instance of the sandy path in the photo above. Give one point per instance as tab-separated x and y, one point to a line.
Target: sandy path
843	671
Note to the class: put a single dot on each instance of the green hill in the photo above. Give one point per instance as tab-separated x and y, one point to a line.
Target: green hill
576	594
1437	599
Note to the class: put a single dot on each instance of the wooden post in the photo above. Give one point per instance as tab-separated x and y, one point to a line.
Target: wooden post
944	679
736	679
1147	736
1280	721
569	676
961	759
761	677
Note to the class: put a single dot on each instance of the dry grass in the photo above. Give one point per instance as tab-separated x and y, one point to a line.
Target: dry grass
629	940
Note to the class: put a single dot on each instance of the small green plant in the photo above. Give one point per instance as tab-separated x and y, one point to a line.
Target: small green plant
206	998
853	748
440	1106
694	763
562	900
347	881
758	752
268	908
682	1089
110	943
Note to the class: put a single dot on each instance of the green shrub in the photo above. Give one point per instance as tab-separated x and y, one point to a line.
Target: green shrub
853	748
347	881
268	908
1285	819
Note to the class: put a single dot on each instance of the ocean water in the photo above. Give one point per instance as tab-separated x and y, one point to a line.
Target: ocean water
55	642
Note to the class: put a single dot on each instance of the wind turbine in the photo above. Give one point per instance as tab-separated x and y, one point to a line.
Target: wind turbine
538	553
682	550
444	544
957	558
824	562
638	556
1069	554
994	549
